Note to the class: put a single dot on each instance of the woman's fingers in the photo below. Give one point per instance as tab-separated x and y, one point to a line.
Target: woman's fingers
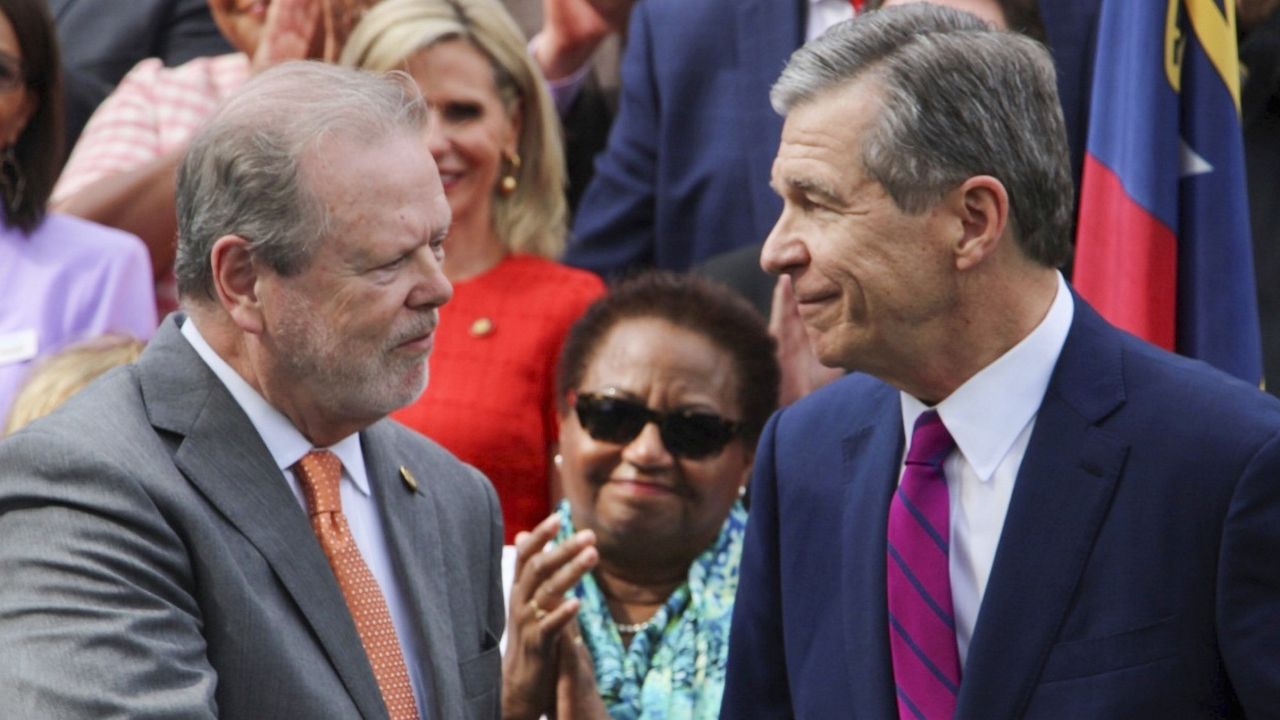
556	620
539	567
568	574
530	543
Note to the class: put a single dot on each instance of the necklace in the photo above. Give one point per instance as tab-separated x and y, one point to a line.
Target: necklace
633	628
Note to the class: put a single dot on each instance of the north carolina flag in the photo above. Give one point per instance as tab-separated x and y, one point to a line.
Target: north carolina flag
1163	246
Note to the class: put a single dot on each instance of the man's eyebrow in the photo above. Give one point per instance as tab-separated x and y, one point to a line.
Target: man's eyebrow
811	187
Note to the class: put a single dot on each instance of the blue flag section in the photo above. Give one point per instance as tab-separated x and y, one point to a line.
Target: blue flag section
1163	247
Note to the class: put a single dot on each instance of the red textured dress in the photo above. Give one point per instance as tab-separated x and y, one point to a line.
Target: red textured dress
491	395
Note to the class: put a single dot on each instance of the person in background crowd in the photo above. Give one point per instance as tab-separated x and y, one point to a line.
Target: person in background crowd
61	279
56	378
494	134
586	102
99	48
122	171
1110	508
664	385
230	527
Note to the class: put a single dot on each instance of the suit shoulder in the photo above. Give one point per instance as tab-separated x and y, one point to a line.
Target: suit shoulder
838	404
1193	389
78	427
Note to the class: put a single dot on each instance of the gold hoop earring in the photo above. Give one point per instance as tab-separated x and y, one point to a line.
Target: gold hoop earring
509	183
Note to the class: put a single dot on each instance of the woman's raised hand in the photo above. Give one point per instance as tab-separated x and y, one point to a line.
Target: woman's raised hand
539	614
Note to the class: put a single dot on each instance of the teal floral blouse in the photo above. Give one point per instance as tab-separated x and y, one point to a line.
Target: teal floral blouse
674	668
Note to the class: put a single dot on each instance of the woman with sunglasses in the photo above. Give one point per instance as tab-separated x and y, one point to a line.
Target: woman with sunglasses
62	279
622	598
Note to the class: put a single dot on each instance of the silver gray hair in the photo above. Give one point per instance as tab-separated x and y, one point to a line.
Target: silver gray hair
243	172
959	99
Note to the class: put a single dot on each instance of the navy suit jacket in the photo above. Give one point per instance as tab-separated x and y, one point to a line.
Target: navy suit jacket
1137	574
685	175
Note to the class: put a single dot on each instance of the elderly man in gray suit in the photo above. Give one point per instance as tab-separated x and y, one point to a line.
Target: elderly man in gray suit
230	527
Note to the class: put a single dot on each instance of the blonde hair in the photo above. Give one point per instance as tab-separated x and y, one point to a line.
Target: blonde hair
56	378
532	218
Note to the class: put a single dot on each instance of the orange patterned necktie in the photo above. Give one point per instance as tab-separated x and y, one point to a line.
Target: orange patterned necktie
318	473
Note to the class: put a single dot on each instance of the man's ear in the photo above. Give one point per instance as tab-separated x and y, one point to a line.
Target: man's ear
982	205
235	282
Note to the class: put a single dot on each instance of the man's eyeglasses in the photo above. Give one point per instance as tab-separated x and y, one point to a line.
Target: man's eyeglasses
12	73
685	433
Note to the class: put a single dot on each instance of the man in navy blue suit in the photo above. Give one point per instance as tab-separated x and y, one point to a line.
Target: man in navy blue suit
1092	528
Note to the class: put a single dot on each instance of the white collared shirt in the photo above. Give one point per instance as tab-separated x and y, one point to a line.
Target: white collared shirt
991	417
287	446
825	13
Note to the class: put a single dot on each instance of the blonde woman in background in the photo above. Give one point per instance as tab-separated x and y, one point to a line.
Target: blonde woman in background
56	378
495	137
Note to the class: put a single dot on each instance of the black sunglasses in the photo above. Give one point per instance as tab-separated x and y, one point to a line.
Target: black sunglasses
685	433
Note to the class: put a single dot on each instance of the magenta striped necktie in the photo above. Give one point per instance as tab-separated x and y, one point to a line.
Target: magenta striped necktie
922	626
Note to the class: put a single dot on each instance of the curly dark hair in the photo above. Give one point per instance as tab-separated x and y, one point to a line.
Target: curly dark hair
693	303
39	146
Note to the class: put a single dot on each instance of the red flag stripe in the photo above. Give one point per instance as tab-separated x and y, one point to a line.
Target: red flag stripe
1128	270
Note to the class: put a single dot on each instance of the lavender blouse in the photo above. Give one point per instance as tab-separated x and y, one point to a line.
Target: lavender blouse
68	280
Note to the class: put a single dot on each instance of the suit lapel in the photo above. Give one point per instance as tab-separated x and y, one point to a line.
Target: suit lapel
1061	497
870	462
413	530
224	458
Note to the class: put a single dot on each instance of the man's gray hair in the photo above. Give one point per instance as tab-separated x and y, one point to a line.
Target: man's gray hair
959	99
243	173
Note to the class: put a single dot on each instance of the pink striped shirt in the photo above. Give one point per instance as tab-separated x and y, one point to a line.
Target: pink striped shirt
153	111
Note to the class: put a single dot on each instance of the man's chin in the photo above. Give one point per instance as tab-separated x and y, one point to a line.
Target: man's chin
838	356
388	398
413	389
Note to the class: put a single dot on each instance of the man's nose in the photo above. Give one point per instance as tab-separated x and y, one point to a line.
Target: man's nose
432	288
783	250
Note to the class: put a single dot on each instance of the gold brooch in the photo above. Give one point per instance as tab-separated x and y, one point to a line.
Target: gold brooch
481	327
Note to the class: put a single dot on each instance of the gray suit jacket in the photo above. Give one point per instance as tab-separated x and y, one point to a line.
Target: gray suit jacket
154	563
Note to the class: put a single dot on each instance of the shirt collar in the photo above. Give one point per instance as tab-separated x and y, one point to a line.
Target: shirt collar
285	443
986	414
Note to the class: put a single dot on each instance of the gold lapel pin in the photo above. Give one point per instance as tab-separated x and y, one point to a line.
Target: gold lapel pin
409	480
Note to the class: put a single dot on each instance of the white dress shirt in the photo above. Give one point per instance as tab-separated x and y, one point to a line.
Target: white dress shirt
287	446
825	13
991	417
